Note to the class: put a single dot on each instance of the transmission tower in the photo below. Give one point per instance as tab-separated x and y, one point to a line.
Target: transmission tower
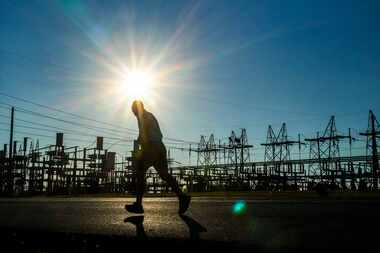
238	151
325	149
277	154
207	152
372	134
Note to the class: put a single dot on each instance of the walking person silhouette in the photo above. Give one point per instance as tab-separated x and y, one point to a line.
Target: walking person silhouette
152	152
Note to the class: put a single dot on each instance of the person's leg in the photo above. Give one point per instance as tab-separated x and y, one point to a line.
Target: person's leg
140	182
139	166
161	166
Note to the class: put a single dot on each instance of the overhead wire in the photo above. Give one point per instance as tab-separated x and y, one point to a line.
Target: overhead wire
82	117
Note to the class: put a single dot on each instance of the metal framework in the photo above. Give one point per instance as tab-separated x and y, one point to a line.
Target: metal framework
277	155
27	168
326	150
372	134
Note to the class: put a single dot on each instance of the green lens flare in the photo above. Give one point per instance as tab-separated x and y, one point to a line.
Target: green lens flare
239	207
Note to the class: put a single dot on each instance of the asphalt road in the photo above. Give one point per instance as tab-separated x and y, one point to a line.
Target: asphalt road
267	224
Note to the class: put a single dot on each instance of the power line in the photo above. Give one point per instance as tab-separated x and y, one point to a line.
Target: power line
66	131
26	111
5	116
64	121
5	107
64	112
18	132
21	110
82	117
44	136
71	133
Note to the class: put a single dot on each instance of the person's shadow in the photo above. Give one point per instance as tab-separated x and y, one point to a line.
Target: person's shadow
138	221
195	228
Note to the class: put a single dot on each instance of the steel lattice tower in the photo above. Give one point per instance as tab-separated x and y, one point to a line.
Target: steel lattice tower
239	151
372	134
207	152
277	154
325	149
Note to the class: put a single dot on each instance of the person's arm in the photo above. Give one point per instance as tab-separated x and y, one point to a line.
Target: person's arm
139	138
143	128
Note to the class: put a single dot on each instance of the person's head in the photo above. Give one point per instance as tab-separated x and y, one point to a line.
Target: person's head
137	107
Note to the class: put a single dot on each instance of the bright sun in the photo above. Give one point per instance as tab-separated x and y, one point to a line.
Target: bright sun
137	84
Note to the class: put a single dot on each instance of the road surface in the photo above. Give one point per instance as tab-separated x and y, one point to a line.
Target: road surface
266	224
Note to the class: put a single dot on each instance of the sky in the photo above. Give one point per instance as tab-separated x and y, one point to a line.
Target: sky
222	66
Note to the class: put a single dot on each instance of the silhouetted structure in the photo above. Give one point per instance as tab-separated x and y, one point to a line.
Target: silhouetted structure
372	134
281	172
27	168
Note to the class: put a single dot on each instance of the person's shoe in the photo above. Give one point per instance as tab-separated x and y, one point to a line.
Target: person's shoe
184	202
134	208
135	220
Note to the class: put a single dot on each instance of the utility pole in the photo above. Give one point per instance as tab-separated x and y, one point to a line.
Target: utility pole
10	165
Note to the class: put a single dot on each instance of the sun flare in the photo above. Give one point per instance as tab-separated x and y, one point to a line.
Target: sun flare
137	84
